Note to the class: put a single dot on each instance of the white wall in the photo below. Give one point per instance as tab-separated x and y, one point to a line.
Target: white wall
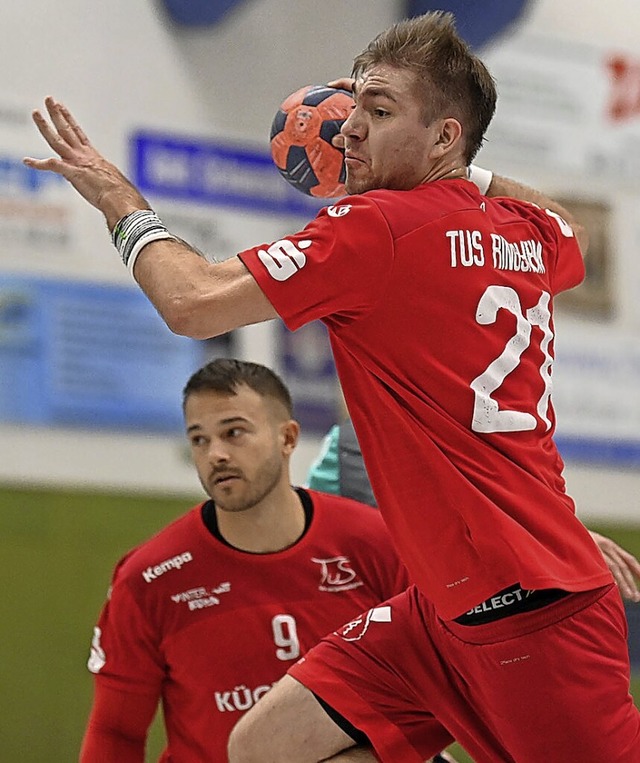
120	65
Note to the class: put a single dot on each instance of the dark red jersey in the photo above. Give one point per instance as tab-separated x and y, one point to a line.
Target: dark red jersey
439	305
208	629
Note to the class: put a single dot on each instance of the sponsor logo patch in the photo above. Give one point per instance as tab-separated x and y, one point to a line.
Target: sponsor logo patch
175	563
201	597
339	211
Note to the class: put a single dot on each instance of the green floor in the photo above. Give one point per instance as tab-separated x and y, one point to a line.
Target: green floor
57	552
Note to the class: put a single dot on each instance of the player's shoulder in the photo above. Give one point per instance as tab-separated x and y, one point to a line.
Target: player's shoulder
170	548
408	210
506	209
346	513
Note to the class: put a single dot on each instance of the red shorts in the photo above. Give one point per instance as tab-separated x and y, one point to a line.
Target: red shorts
552	684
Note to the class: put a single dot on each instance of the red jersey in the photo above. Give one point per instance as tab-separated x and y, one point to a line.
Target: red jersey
208	628
439	303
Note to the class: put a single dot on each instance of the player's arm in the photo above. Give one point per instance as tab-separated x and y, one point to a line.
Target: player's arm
194	297
624	567
118	725
501	186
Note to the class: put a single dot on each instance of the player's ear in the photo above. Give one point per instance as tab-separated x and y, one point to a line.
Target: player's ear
290	431
448	137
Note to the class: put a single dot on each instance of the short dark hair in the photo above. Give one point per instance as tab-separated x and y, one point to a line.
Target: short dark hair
457	82
225	375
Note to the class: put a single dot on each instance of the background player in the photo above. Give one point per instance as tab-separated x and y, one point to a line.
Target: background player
450	399
207	614
339	469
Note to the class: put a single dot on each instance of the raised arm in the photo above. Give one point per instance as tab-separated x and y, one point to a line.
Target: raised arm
501	186
195	297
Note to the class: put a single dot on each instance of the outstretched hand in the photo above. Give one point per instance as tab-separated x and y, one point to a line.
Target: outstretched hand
624	567
98	181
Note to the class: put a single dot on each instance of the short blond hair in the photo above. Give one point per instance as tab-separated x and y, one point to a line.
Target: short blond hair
453	81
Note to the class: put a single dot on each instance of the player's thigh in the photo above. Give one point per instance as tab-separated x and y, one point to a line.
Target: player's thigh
287	724
381	674
559	692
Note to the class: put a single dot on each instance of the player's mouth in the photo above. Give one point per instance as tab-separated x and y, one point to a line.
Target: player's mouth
225	479
352	160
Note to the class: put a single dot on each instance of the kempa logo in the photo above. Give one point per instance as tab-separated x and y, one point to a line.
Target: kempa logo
284	259
175	563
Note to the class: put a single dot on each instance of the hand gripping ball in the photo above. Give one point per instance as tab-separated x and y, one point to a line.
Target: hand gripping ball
301	139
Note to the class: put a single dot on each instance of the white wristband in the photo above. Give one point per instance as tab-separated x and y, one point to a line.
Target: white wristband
134	231
147	238
480	177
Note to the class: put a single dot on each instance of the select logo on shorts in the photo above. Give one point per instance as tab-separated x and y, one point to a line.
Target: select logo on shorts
175	563
337	574
356	629
284	259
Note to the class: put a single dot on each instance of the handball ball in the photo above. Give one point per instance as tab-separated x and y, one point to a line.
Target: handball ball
301	135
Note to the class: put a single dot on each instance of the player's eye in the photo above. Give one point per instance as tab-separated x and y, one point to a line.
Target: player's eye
197	441
381	112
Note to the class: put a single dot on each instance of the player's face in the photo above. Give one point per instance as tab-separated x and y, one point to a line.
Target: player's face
240	445
388	143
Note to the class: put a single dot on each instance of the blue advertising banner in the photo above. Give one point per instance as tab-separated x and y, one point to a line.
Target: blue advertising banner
200	13
308	370
477	23
204	171
88	355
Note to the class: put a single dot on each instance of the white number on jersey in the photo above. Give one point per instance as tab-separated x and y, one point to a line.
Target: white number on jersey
487	414
285	636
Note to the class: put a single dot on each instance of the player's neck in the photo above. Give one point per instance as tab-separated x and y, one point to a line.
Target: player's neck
274	524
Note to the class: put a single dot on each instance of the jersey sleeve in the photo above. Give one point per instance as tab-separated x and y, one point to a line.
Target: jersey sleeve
125	651
324	474
337	266
117	728
129	671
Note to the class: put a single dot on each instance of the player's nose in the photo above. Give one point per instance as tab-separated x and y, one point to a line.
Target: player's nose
353	127
217	452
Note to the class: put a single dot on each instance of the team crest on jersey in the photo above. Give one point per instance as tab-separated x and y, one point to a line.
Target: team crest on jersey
337	574
339	211
356	629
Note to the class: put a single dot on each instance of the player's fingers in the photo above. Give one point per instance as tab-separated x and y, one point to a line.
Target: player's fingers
77	131
343	83
55	141
624	578
52	164
59	117
631	561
